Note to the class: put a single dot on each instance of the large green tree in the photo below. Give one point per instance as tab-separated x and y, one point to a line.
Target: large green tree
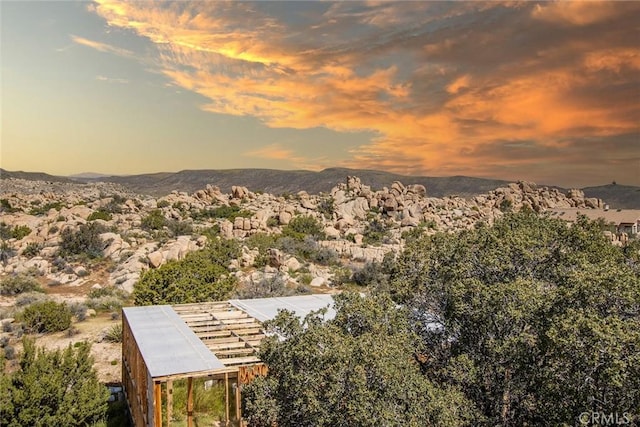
535	320
358	369
201	276
53	388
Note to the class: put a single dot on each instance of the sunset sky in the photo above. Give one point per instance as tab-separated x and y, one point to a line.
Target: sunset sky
545	92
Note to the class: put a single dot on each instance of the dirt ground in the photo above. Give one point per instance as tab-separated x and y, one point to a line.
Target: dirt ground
107	356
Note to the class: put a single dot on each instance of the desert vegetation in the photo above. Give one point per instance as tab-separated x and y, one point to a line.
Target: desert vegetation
526	322
480	311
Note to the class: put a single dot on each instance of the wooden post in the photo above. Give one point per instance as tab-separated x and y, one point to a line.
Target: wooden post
157	404
238	409
169	402
190	402
226	398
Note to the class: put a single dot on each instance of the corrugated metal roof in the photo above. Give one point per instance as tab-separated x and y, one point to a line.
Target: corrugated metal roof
166	343
267	308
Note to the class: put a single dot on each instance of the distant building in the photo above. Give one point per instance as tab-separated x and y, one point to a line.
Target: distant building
174	356
624	220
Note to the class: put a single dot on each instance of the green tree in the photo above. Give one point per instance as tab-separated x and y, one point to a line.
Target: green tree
358	369
200	276
53	388
535	321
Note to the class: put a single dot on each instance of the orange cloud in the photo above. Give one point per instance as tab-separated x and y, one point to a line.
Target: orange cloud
468	91
575	12
102	47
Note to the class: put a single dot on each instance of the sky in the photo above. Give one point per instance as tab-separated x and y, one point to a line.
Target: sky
545	92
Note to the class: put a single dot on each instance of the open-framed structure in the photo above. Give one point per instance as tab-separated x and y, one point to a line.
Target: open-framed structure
203	343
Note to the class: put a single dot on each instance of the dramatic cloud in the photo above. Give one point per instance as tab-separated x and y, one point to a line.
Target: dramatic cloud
471	88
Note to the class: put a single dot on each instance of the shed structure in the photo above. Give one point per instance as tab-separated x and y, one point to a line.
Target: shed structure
178	360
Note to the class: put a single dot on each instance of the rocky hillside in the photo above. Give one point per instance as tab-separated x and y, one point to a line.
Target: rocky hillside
137	232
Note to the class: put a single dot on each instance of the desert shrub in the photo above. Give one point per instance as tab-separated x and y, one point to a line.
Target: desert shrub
100	214
324	256
230	212
33	249
179	228
17	284
162	204
9	352
108	291
85	241
29	298
105	303
114	333
5	206
341	275
275	286
375	232
155	220
44	209
302	226
326	207
19	232
47	316
79	310
5	231
53	229
6	252
7	326
372	273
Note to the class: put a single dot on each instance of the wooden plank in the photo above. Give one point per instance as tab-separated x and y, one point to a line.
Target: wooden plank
213	334
169	402
247	331
222	340
226	399
240	360
157	403
190	402
215	347
235	352
238	408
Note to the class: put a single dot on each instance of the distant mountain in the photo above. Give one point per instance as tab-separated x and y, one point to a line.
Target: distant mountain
616	195
88	175
33	176
282	182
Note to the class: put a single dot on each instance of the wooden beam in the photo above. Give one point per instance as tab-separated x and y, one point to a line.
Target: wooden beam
226	399
238	401
169	402
190	402
240	360
157	404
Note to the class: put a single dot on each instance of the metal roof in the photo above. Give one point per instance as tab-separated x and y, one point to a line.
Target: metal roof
267	308
166	343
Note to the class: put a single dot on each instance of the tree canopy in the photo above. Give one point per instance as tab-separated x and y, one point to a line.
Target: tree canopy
53	388
539	321
358	369
526	322
200	276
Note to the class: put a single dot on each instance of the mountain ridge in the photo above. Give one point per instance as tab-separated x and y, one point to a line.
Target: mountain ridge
292	181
